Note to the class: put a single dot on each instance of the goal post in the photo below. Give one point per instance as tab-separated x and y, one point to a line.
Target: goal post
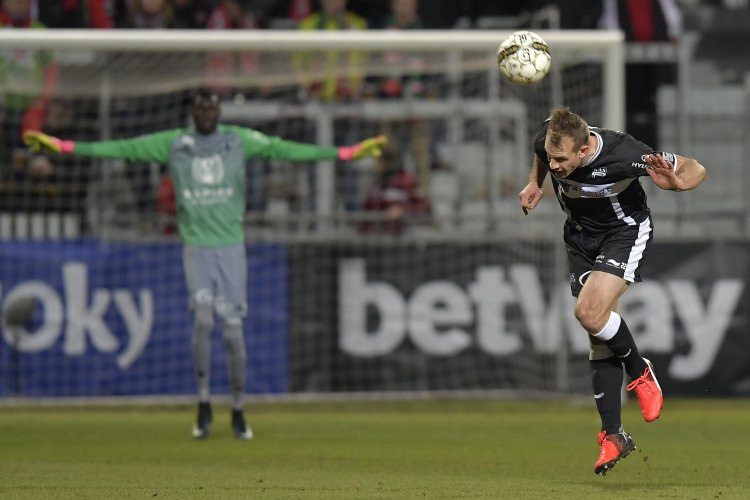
472	295
609	44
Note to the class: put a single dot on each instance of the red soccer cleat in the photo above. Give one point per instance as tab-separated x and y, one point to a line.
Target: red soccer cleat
613	447
649	393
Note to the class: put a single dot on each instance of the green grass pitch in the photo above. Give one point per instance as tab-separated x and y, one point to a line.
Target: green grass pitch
430	449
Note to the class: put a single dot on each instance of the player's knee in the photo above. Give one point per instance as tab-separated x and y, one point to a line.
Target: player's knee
590	316
233	337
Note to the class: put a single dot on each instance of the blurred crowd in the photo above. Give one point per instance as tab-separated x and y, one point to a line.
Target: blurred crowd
406	175
223	14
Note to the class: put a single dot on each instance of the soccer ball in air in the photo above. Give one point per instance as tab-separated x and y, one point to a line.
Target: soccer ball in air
523	57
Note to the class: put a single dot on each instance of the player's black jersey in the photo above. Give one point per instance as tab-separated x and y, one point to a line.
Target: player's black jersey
604	193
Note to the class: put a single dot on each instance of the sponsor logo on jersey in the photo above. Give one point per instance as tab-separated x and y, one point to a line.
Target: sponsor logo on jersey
599	172
638	165
614	263
207	195
208	170
573	189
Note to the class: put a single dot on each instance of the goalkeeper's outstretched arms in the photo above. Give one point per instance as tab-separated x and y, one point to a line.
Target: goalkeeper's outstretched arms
155	147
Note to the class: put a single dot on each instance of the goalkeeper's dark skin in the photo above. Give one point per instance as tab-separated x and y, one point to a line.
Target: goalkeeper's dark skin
206	113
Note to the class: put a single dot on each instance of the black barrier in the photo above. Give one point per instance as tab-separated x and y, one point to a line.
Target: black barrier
398	316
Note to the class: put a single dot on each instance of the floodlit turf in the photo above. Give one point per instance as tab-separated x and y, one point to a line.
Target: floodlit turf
454	449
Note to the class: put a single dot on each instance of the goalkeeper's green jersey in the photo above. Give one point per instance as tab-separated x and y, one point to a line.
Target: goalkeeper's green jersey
208	173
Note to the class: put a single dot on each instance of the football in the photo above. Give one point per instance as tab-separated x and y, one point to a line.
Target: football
524	57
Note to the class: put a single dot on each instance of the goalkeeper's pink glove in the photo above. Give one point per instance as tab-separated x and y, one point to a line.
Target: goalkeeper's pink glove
39	142
369	147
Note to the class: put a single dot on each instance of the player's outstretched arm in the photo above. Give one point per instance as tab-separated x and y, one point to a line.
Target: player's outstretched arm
369	147
39	142
687	174
532	193
150	147
259	144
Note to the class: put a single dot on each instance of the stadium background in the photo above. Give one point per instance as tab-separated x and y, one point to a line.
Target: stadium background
343	300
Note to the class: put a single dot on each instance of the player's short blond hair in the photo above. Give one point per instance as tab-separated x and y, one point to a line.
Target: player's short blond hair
564	123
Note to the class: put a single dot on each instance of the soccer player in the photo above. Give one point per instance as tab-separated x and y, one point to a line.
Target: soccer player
207	165
595	174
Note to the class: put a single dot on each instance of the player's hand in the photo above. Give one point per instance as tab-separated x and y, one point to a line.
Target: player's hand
530	196
39	142
369	147
662	172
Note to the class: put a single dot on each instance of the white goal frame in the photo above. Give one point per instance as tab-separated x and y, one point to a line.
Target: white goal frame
609	43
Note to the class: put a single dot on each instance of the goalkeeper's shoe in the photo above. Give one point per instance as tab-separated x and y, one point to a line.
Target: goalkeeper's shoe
649	393
612	447
203	422
240	427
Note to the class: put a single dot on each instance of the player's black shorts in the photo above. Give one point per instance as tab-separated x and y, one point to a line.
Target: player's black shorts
619	251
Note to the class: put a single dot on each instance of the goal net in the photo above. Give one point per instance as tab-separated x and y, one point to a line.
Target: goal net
452	290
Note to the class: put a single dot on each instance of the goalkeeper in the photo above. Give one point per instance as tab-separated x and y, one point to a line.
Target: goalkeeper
207	166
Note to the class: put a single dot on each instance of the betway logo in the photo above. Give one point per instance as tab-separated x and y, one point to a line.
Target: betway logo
85	318
443	319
